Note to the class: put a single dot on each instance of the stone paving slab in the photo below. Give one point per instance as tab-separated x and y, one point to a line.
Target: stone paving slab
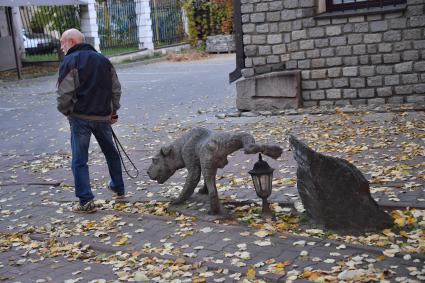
213	244
36	190
50	270
239	164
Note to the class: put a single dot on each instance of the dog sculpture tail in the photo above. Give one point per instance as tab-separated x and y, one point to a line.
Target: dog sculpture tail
250	147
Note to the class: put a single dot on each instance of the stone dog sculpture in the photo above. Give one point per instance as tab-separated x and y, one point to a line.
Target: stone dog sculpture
202	151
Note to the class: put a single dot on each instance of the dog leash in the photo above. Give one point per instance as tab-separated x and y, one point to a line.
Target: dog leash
119	145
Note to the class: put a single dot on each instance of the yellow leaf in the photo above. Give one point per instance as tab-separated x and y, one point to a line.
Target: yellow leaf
404	234
120	206
314	276
380	258
410	220
250	274
381	243
311	275
91	224
400	222
283	264
121	241
280	267
198	279
282	226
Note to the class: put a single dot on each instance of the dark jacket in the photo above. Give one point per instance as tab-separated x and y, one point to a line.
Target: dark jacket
88	85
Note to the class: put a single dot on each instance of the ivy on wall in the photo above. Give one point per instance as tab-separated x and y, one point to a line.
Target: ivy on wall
208	17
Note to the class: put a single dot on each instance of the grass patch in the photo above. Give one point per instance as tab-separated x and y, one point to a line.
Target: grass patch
42	57
31	71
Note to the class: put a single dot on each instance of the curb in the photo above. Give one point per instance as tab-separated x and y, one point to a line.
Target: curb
387	108
124	65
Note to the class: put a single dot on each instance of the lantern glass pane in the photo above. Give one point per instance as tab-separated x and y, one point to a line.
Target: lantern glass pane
256	182
264	189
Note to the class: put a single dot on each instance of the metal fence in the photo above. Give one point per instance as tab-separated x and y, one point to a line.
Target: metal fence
42	27
167	22
117	26
117	23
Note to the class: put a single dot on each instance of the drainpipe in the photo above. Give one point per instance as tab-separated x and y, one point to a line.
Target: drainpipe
238	37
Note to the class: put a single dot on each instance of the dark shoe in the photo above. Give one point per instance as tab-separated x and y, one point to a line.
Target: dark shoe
89	207
115	194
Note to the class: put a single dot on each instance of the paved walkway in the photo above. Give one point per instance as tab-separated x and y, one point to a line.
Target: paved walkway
146	239
141	238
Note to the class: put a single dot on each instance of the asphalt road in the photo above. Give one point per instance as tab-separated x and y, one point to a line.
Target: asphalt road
153	94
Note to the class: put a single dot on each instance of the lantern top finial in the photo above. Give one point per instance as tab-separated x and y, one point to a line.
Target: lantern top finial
261	167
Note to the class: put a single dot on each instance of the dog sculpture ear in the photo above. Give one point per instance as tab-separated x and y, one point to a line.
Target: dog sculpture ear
166	150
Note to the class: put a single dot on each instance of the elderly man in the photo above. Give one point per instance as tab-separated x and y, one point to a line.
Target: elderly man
88	95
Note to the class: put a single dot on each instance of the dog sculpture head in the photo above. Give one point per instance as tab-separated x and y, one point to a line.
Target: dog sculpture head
164	164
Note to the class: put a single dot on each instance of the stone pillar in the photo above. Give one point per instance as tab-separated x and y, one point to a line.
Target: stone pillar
89	26
185	22
321	6
144	24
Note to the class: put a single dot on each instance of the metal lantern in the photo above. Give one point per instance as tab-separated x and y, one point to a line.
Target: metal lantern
262	176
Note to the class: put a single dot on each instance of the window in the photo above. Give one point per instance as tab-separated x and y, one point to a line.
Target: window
338	5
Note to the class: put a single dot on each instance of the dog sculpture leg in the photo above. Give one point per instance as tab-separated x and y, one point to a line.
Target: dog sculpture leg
192	180
209	179
203	190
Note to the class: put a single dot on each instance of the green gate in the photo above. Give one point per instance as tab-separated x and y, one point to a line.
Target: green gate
42	27
167	22
117	23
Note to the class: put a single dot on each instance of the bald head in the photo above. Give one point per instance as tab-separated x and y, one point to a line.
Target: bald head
74	34
70	38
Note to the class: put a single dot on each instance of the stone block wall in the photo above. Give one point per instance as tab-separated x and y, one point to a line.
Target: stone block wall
220	43
359	59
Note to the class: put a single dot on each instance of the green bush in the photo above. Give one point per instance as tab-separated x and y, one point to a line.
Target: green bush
208	18
58	18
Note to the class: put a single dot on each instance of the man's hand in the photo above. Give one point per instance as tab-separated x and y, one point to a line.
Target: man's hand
114	118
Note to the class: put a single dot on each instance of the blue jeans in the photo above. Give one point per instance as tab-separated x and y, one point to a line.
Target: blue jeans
81	131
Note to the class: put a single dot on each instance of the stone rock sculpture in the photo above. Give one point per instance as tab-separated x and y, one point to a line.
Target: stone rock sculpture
335	193
202	151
